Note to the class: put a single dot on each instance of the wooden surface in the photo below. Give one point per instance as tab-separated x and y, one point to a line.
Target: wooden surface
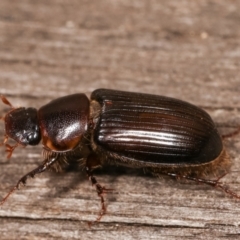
184	49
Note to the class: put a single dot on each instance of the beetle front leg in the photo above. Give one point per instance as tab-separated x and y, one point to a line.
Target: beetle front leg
42	168
91	163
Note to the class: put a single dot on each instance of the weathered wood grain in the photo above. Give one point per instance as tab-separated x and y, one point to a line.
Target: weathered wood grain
184	49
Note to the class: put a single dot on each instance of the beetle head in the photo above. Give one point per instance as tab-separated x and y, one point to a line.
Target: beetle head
21	125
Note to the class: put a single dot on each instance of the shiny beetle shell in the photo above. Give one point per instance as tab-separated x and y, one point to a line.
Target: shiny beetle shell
143	130
63	122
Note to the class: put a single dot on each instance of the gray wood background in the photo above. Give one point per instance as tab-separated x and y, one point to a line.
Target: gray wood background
183	49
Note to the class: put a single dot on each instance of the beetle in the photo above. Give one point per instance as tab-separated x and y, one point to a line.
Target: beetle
159	134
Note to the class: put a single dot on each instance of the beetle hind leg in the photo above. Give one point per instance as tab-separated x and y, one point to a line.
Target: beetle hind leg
213	183
231	134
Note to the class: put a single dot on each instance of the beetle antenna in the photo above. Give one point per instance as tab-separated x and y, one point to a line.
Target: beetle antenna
5	101
4	140
10	149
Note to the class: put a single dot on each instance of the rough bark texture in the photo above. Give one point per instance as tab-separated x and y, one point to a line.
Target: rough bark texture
183	49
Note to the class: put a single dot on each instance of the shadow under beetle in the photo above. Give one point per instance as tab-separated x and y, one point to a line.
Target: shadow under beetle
159	134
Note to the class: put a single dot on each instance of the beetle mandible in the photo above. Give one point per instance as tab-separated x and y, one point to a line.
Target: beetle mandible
159	134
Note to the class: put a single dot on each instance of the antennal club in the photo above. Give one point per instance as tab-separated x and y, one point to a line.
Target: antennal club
5	101
9	148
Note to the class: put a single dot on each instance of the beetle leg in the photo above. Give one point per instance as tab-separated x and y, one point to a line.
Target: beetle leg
42	168
214	183
232	134
91	163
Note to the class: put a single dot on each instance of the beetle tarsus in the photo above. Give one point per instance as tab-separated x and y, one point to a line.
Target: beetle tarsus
42	168
7	196
92	163
100	191
232	134
214	183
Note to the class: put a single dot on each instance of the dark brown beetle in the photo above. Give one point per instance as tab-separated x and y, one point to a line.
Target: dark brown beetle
158	134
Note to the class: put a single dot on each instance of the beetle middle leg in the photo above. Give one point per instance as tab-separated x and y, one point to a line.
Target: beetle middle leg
92	163
214	183
42	168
